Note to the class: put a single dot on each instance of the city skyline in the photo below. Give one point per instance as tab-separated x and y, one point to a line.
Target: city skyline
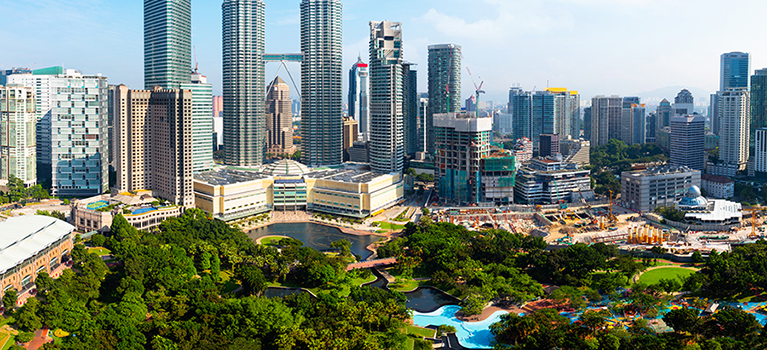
482	28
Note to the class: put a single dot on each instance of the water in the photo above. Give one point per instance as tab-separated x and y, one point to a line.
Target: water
274	292
470	334
143	210
316	236
427	299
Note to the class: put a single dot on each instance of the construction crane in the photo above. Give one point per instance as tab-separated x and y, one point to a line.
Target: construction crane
753	211
477	89
610	215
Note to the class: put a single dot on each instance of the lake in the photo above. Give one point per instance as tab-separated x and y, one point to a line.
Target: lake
316	236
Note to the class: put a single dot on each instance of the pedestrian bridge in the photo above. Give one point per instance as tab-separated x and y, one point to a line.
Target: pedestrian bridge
371	263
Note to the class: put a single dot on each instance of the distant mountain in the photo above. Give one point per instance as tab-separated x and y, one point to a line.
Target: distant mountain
653	98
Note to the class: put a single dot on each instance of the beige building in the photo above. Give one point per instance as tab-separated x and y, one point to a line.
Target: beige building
153	143
141	210
30	245
279	119
18	156
351	130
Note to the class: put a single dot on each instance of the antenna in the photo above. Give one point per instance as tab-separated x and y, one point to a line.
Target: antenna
195	59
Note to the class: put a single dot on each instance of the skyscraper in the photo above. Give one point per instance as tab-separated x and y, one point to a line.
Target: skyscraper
758	102
520	108
587	123
713	113
410	106
18	116
568	112
663	115
606	113
202	122
684	103
167	43
650	127
243	78
321	82
359	100
627	117
688	141
734	119
444	85
387	143
735	70
760	152
279	119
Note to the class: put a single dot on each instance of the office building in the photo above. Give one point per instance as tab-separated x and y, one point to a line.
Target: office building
713	112
650	127
548	181
758	104
587	123
351	132
16	70
606	114
549	145
72	130
218	106
735	71
734	119
520	108
627	117
760	152
359	99
502	123
634	124
321	82
387	139
567	113
32	244
202	122
718	186
575	151
153	142
644	190
712	141
243	76
279	119
471	104
167	43
358	152
688	141
18	119
663	116
444	86
663	138
684	103
410	107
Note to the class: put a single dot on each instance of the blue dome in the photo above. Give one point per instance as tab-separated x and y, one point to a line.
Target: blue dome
693	198
693	192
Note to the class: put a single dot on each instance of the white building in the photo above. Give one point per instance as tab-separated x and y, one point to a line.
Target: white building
734	114
718	186
387	137
644	190
760	152
549	181
701	211
202	122
17	119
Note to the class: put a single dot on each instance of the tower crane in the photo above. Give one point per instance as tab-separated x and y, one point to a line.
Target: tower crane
477	89
753	211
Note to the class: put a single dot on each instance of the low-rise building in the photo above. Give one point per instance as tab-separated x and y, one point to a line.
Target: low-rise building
30	245
140	209
575	151
644	190
718	186
701	211
549	181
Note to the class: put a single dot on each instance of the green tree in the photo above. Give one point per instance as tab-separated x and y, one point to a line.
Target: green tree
26	317
25	337
10	297
252	279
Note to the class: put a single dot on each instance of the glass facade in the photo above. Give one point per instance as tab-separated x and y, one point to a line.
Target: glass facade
758	104
167	43
735	70
387	144
202	125
444	85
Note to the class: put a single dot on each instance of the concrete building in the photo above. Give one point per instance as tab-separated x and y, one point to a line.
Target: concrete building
587	123
72	130
461	142
359	97
502	123
663	116
279	119
663	138
568	112
760	153
684	103
734	119
688	141
202	122
167	43
351	132
701	211
387	137
644	190
18	119
410	108
634	123
523	150
141	210
321	82
735	71
651	127
718	186
31	245
549	145
575	151
548	181
153	143
444	86
606	113
243	76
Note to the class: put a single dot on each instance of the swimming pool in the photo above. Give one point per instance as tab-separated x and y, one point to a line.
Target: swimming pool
97	205
143	210
470	334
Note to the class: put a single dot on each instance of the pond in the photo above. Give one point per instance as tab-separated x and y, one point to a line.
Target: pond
316	236
475	335
427	299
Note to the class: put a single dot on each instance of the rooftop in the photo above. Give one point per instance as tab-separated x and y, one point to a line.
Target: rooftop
661	170
346	174
225	177
24	236
285	167
717	178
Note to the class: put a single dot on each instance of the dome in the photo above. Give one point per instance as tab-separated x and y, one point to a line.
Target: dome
693	198
693	192
285	167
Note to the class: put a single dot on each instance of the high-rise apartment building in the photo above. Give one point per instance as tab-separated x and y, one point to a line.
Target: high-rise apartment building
243	78
167	43
635	126
202	122
587	123
72	130
153	142
387	139
606	113
321	82
444	85
279	119
626	122
758	103
568	112
359	99
688	141
735	70
760	153
734	119
410	104
18	119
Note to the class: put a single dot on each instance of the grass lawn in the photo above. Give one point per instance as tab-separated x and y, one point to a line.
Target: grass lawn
389	226
271	241
423	332
100	251
229	285
596	276
403	284
653	276
6	340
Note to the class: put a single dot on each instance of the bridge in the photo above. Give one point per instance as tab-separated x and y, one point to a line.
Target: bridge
283	57
371	263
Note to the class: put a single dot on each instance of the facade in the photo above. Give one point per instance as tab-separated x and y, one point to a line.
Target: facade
520	108
232	194
72	130
687	144
141	210
575	151
568	112
650	127
663	116
358	152
502	123
153	142
758	104
321	82
549	145
684	103
18	119
167	43
202	122
735	70
760	152
351	132
634	124
663	138
243	76
387	139
644	190
359	99
410	107
32	244
444	86
712	141
523	150
606	113
218	106
279	118
547	181
734	118
587	123
718	186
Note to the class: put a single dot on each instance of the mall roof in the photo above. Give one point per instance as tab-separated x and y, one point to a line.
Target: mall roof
285	167
225	177
717	211
23	237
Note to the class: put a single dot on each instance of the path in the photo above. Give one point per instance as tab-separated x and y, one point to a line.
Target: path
371	263
489	311
41	337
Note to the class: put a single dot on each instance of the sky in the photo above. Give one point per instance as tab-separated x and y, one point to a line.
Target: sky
596	47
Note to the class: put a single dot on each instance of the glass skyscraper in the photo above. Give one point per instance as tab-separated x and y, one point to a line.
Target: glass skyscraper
359	101
387	144
321	82
202	123
167	43
444	85
735	70
243	78
758	103
410	106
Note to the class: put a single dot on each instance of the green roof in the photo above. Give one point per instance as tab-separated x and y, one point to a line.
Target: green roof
49	71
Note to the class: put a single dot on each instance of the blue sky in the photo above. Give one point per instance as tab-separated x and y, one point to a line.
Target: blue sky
594	46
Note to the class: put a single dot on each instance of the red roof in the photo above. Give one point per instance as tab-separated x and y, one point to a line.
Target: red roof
362	64
717	179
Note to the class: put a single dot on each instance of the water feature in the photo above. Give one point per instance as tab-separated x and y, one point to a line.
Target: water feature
316	236
470	334
428	299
